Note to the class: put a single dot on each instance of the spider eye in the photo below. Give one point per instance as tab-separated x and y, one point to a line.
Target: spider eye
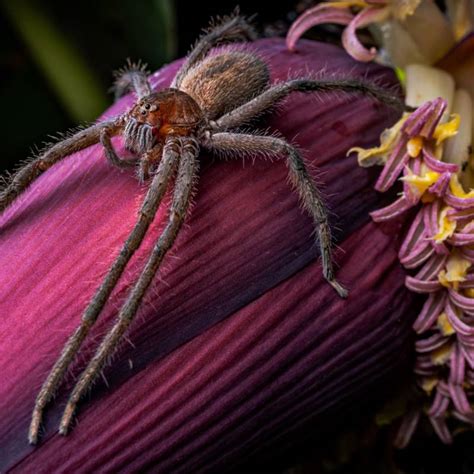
147	106
143	112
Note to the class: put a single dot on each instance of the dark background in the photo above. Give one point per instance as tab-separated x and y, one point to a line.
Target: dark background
100	35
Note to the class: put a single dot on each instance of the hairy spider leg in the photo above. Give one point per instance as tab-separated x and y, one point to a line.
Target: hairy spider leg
147	164
187	174
228	143
132	77
231	28
32	170
146	214
274	94
105	139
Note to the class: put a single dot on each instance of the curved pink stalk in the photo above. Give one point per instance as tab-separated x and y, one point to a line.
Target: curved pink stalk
439	406
391	211
316	16
436	165
349	37
430	343
432	308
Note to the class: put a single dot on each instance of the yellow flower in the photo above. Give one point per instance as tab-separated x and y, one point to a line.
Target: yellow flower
429	383
420	183
457	190
379	154
456	270
446	226
447	130
414	146
444	325
441	355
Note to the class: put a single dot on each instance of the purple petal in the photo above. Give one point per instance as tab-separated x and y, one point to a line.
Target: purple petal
432	308
460	203
430	214
406	429
439	406
420	253
441	429
393	210
460	326
430	343
464	214
468	355
431	268
436	165
457	366
441	186
468	254
466	418
423	121
415	248
459	398
463	302
422	286
394	166
461	239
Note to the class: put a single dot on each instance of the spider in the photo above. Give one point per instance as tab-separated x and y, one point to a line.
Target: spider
211	95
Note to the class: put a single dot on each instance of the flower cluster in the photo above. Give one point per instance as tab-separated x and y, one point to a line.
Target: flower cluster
440	247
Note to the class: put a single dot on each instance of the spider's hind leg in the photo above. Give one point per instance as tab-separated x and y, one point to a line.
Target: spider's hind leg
245	144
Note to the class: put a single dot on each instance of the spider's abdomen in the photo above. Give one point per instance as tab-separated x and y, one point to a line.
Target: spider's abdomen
222	82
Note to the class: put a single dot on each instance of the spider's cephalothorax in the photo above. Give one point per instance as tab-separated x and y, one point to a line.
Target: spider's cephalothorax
157	115
212	95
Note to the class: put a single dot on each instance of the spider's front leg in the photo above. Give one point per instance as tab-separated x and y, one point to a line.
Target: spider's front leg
32	170
182	195
146	214
272	96
239	144
105	139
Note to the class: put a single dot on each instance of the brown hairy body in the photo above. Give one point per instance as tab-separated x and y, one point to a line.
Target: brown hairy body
209	96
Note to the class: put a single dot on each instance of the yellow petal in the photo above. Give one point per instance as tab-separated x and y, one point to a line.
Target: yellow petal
441	355
446	226
457	189
429	383
448	129
444	325
469	292
456	270
379	155
420	184
414	146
